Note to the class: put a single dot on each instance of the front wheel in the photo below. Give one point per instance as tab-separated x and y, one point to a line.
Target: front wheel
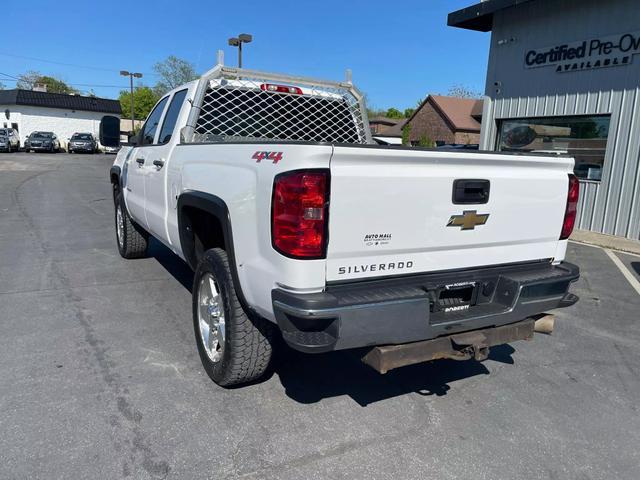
235	346
132	239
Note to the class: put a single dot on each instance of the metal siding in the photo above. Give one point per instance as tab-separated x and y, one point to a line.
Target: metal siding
610	190
611	206
633	229
588	193
630	170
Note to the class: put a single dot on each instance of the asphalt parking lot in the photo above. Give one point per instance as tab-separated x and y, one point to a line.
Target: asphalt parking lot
100	378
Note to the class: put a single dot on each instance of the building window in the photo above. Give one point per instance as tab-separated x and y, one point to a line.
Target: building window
583	137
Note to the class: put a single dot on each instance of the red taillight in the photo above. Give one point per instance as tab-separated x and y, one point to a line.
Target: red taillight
572	204
270	87
299	213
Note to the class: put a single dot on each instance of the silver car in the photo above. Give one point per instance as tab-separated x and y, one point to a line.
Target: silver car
9	140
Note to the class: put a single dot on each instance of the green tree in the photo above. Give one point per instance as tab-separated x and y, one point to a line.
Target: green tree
372	112
393	113
30	79
408	112
144	98
406	134
173	72
425	141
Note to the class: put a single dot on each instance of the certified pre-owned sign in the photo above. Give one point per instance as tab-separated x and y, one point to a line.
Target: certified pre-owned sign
611	51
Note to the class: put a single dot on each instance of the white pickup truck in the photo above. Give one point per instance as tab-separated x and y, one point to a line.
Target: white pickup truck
300	228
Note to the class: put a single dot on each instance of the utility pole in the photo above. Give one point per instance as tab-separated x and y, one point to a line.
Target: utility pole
237	42
131	75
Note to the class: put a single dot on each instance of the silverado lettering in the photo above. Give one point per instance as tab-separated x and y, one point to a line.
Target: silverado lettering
375	267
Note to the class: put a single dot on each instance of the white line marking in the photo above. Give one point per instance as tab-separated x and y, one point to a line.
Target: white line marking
625	271
586	244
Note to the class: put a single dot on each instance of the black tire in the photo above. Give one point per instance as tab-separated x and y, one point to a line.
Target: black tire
248	339
135	240
26	150
69	150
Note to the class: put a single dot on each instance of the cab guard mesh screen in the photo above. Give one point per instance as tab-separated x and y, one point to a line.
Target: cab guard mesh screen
241	110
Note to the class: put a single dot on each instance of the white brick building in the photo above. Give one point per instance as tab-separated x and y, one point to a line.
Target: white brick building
28	111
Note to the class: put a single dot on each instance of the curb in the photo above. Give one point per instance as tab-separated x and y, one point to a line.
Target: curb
611	242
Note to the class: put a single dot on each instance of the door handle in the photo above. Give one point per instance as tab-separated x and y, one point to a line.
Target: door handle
159	163
471	192
140	161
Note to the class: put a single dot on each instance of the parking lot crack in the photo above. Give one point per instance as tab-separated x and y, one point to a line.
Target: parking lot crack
129	425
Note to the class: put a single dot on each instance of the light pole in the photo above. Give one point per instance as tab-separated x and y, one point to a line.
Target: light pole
237	42
124	73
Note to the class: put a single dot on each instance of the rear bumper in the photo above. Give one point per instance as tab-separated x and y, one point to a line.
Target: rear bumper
403	310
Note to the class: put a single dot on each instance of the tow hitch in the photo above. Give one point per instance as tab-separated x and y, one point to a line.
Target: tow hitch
461	346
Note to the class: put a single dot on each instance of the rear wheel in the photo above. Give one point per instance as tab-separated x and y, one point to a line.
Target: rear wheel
132	239
235	346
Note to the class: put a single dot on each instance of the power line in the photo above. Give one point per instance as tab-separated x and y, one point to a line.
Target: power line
35	59
10	76
16	79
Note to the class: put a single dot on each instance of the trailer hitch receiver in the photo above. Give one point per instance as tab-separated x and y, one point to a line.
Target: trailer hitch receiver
461	346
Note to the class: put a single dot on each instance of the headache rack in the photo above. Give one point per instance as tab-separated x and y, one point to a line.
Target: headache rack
235	105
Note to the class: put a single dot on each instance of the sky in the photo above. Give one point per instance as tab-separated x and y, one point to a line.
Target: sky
398	51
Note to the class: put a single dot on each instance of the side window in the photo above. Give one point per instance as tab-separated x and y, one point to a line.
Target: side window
170	119
151	125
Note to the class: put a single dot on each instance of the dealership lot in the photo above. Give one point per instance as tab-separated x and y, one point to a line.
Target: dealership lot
100	378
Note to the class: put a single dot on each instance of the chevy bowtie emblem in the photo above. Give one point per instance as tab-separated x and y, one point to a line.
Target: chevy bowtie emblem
468	220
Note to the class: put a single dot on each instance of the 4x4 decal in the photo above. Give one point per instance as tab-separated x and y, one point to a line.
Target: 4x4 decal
275	157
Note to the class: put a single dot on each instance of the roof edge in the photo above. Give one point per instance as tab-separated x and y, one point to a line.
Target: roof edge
479	17
433	102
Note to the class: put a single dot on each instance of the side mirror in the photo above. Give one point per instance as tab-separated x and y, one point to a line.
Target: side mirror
110	131
134	138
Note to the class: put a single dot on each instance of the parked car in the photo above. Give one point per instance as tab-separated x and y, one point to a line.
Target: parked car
9	140
82	142
112	149
42	142
5	145
299	227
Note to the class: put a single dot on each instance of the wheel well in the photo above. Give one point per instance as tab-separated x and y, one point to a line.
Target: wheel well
115	185
204	230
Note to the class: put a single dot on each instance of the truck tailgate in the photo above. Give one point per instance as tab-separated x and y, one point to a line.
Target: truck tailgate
391	210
